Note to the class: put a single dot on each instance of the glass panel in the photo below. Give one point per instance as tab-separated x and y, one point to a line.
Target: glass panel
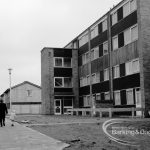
67	82
92	54
105	48
115	42
133	5
58	62
98	97
114	18
68	102
127	38
104	25
126	9
135	66
107	96
134	33
129	97
67	62
117	97
57	102
58	82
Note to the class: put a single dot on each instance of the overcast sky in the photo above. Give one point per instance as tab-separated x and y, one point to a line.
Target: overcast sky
26	26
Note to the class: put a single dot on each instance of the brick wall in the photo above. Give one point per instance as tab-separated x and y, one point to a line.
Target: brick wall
144	49
47	75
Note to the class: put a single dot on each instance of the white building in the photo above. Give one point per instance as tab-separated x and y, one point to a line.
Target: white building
25	98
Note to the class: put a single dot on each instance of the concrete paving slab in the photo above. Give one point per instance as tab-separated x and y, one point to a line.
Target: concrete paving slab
20	137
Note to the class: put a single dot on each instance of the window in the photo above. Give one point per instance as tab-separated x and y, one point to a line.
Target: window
62	62
133	5
93	78
88	80
115	42
135	66
129	95
105	48
117	97
84	81
58	62
96	52
127	36
92	54
94	32
138	97
116	71
83	59
83	40
67	62
97	77
98	97
58	82
126	9
132	67
104	25
87	57
106	74
114	18
129	68
75	45
29	93
134	33
86	100
107	96
81	82
67	82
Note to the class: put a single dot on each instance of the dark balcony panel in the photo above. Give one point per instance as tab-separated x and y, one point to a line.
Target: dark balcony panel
126	82
83	49
59	52
100	87
100	28
99	39
84	90
62	72
122	69
123	97
120	13
63	91
100	50
121	40
80	60
125	23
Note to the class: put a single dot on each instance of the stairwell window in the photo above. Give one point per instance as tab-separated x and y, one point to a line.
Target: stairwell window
58	62
67	62
58	82
67	82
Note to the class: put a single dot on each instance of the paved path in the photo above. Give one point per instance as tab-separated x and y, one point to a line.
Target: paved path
22	138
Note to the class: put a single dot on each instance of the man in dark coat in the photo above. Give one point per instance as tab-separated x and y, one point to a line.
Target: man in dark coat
3	112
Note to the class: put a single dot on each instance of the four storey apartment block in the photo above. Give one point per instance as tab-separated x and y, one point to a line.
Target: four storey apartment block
107	65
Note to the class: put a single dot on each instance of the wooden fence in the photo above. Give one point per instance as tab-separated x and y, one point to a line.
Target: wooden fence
91	111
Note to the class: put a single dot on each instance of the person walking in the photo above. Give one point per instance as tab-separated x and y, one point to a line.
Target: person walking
3	112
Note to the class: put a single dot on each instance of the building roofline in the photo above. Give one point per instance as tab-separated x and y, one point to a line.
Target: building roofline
111	9
45	48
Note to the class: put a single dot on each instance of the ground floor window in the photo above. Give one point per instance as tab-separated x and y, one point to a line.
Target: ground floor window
117	97
129	96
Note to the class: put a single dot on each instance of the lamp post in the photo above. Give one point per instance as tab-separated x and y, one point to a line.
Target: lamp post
10	89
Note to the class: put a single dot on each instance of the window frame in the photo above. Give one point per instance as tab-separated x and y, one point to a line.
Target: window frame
107	47
114	71
118	91
115	37
106	77
62	82
127	90
62	66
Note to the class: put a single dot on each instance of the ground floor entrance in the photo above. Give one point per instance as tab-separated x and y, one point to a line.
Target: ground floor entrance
61	105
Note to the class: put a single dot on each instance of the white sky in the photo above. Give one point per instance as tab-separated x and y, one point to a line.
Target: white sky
26	26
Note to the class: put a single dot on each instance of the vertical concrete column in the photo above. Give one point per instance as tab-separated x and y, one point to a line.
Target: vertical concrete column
110	56
143	11
47	81
75	78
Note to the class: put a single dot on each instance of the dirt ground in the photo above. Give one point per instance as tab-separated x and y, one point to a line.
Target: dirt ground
85	133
